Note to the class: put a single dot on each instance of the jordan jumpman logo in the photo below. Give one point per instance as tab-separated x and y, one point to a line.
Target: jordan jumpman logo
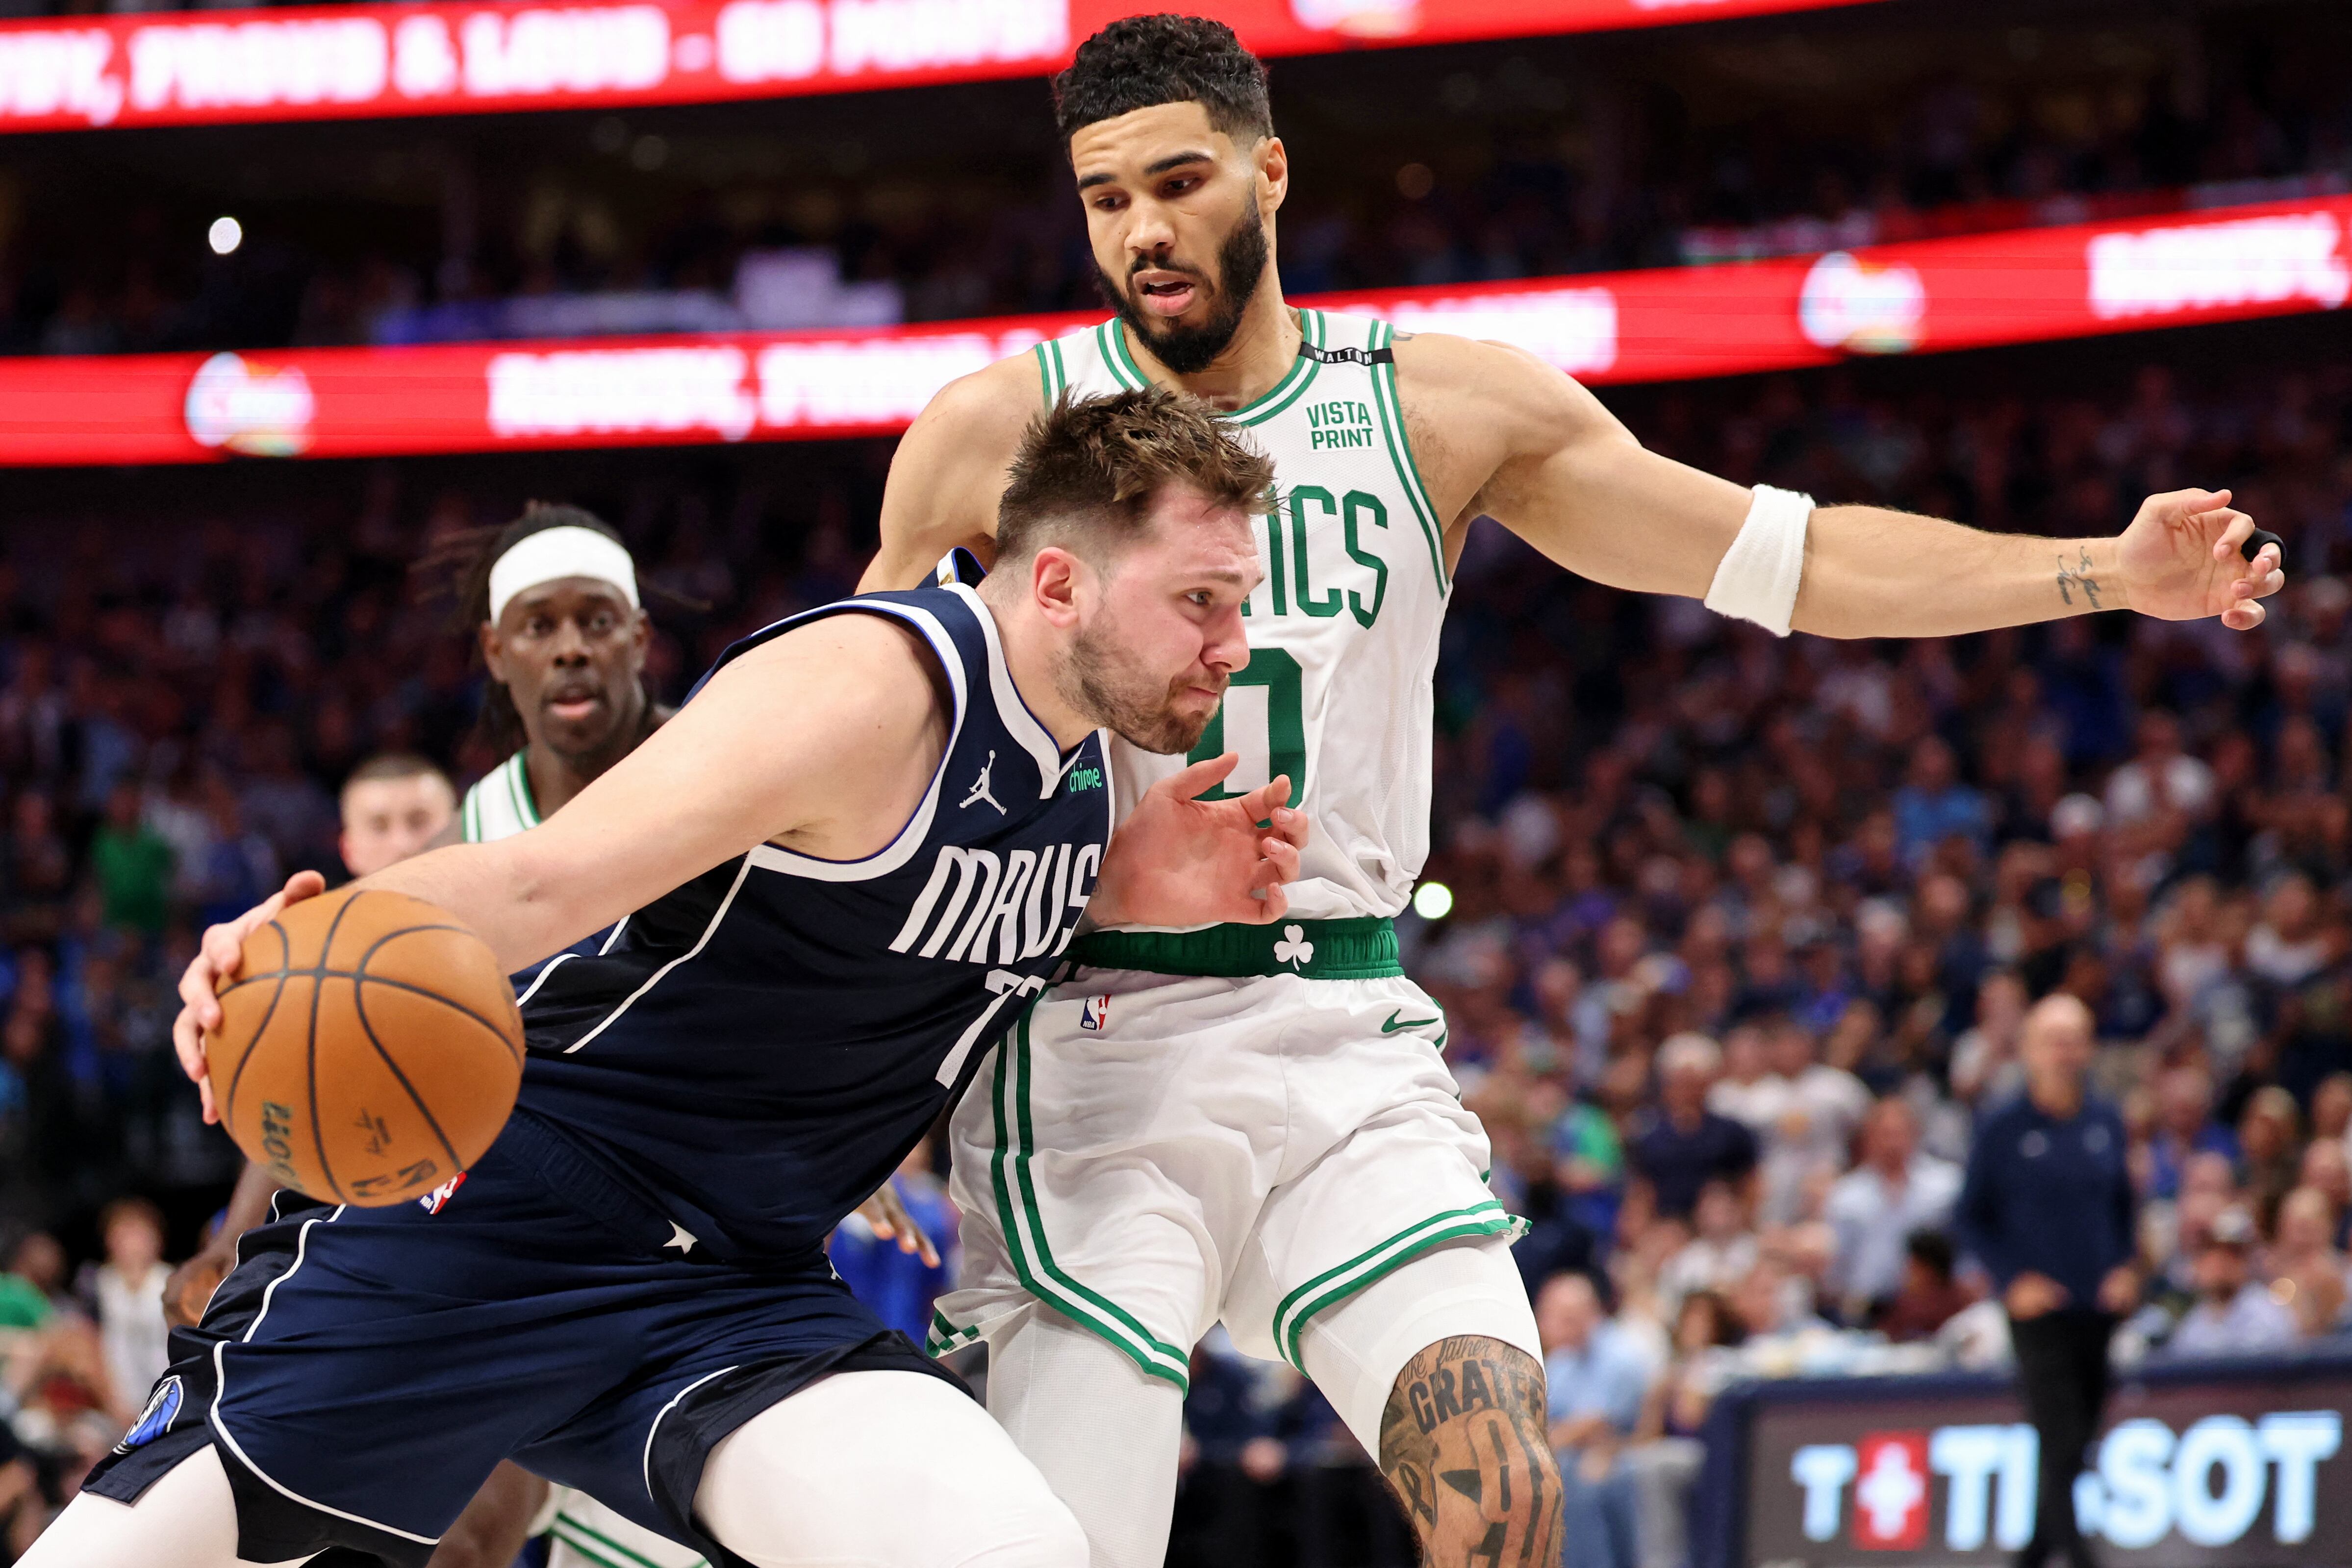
980	788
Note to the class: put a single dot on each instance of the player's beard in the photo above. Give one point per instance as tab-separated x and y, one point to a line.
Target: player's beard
1189	351
1103	681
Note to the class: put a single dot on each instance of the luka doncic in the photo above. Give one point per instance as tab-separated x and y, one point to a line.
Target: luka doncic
838	873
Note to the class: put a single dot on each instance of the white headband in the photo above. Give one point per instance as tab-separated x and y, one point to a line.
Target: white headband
567	551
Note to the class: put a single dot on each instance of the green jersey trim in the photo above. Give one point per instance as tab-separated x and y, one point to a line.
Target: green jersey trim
1110	341
1292	387
1384	394
1335	1285
519	787
1032	1258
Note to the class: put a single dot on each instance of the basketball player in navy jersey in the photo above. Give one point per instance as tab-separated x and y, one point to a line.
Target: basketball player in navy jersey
838	873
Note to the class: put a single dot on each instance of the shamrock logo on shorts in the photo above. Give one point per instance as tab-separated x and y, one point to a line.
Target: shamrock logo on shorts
1293	949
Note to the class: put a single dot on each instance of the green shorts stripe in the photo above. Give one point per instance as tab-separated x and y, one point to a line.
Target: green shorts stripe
1336	1284
596	1546
945	1336
1033	1258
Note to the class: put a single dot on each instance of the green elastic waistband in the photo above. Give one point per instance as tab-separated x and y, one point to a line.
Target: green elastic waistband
1361	949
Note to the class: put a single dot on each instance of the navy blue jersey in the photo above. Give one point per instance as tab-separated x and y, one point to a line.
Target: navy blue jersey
752	1054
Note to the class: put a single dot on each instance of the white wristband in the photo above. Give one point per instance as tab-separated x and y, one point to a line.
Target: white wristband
1756	579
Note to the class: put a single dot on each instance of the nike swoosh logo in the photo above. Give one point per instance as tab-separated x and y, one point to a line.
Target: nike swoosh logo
1392	1025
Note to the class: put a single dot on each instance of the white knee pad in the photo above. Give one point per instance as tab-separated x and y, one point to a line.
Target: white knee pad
882	1469
1354	1350
1103	1432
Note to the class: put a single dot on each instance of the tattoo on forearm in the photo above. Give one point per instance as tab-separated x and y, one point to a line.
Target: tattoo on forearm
2078	576
1464	1443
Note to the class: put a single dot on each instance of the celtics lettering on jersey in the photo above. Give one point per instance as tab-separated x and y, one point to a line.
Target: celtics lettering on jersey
1342	630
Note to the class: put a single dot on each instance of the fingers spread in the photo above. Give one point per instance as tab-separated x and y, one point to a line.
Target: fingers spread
1200	777
1262	802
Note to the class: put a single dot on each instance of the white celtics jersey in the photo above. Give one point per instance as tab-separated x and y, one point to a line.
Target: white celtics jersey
1343	632
500	805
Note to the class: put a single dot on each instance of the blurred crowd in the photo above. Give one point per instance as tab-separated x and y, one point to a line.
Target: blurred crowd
1512	163
1736	936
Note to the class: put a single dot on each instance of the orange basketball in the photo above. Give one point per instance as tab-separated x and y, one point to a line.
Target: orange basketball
369	1047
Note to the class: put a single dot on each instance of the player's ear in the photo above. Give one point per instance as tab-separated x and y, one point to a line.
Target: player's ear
494	652
1273	161
1056	580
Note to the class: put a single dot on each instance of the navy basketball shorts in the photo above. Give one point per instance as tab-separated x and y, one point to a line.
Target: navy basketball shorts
362	1371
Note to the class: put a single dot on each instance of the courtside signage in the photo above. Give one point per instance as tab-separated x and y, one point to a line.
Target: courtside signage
2030	285
184	67
2221	1474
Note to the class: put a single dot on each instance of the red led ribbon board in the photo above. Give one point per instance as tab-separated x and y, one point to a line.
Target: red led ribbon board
355	61
2027	285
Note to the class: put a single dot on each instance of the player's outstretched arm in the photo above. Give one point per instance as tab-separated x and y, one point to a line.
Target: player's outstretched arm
1181	861
823	739
948	470
1567	476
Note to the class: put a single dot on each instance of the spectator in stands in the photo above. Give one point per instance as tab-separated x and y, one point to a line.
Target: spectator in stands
1810	1143
133	864
1934	805
2269	1134
2234	1314
2048	1209
1666	1454
2327	1166
129	1292
2184	1127
1931	1296
1875	1208
2304	1264
1716	1257
1596	1381
1683	1145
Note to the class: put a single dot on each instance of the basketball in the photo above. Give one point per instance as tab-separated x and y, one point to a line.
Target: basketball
369	1047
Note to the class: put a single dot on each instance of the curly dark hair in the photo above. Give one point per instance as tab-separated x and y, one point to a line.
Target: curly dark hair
1140	61
1088	469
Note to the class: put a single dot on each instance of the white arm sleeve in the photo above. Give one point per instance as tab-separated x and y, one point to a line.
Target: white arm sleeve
1756	579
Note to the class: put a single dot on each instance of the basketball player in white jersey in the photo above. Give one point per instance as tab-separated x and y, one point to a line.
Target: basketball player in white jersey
1257	1126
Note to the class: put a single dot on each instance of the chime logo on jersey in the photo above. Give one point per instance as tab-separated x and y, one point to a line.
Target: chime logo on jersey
983	907
1093	1015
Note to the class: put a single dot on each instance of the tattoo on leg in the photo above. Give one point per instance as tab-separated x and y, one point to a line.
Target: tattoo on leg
1463	1440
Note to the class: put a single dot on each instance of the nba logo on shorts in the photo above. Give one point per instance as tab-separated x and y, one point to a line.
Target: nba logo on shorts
1093	1015
1890	1492
162	1407
433	1202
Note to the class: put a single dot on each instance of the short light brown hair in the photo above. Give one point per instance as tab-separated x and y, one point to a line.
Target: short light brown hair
392	765
1089	469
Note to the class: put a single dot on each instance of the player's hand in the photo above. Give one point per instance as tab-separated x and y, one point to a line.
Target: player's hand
1181	861
886	1213
217	960
2182	559
190	1287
